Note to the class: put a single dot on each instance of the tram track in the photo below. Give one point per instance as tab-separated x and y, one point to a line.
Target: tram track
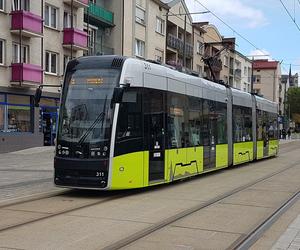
51	215
246	241
170	220
130	239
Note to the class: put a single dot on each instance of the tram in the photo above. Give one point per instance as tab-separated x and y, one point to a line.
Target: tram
127	123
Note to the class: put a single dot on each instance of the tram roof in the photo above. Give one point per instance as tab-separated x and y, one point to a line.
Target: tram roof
138	74
266	105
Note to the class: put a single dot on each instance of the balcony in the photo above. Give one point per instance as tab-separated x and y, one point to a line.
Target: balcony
177	44
78	3
29	24
75	39
99	14
22	72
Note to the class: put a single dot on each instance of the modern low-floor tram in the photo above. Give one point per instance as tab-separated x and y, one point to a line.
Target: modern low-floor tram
126	123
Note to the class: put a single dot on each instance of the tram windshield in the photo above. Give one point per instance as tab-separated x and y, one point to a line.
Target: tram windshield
86	112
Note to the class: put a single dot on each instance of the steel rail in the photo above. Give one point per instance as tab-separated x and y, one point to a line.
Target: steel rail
155	227
246	241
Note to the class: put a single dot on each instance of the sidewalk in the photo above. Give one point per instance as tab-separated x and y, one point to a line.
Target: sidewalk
26	172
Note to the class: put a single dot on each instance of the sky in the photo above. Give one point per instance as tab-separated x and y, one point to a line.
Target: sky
265	23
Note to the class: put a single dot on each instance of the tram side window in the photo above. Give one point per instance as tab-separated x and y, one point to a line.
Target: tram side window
176	136
221	114
259	128
205	125
129	127
272	126
242	124
194	122
154	115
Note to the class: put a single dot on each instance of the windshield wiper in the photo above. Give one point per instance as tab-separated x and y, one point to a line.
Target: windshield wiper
100	118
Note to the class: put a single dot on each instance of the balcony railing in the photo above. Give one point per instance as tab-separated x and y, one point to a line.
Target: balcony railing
22	72
77	39
98	13
176	43
29	24
78	3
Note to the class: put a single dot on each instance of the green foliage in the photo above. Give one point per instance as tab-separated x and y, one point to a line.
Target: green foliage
293	100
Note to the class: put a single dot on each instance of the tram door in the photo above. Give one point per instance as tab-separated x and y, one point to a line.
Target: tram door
154	133
210	137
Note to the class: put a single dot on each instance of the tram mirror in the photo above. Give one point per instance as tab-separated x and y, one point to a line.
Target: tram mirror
37	97
117	95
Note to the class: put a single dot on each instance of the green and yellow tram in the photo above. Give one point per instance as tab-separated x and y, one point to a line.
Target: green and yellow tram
126	123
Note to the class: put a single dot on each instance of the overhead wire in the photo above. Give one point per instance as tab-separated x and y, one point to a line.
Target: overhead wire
290	15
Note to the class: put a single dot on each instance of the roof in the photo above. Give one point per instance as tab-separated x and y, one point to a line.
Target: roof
265	64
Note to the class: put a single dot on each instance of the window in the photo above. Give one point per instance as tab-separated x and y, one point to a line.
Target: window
194	122
139	48
257	79
221	116
242	124
94	42
140	15
2	110
226	61
159	55
19	114
176	124
160	25
245	71
129	137
200	48
24	53
68	20
2	48
199	69
20	5
1	8
51	16
51	62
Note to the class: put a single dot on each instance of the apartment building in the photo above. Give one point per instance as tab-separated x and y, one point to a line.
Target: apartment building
199	49
99	24
180	41
139	29
267	76
242	71
37	38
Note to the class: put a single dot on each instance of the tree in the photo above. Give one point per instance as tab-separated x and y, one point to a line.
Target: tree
293	101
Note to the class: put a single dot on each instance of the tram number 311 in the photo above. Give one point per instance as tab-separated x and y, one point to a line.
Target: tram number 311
99	174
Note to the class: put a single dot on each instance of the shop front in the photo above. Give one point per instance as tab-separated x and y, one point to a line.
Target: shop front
22	125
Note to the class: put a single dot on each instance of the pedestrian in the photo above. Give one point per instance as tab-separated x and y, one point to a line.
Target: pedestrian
283	134
289	133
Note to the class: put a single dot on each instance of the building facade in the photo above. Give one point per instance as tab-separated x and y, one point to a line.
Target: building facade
37	38
266	80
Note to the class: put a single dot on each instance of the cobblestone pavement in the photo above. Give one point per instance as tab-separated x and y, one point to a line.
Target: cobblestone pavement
26	172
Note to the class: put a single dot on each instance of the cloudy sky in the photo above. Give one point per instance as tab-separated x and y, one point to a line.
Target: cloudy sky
264	23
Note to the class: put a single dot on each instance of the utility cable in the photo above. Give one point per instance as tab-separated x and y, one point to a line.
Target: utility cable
288	12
